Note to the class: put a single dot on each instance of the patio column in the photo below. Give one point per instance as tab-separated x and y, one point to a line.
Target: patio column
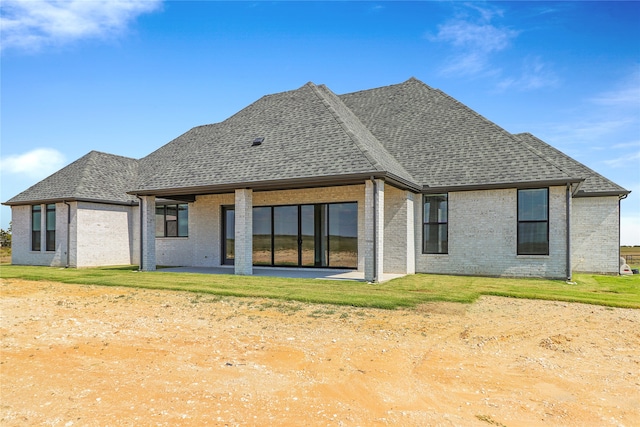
148	233
374	230
411	234
244	232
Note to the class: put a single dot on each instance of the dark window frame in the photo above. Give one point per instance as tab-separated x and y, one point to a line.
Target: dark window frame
171	227
36	232
426	222
50	227
520	250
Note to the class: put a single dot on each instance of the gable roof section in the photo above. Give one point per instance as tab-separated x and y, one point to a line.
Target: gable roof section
308	135
96	176
443	143
594	183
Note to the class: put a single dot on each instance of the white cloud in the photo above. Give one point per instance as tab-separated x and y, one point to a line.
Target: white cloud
535	75
473	40
626	94
483	37
35	164
624	160
33	24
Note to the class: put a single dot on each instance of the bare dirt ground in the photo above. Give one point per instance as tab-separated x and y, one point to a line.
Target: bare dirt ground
75	355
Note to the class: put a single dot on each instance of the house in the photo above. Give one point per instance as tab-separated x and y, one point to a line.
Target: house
396	179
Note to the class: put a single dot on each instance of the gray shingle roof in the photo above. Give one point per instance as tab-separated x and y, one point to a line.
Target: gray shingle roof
443	143
308	134
410	133
94	177
594	183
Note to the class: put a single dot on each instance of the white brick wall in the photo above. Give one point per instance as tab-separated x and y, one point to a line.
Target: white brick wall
21	253
105	234
243	262
374	230
148	233
482	233
595	229
483	237
399	248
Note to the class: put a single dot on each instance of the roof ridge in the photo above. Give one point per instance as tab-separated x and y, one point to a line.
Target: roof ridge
345	127
110	155
364	139
540	154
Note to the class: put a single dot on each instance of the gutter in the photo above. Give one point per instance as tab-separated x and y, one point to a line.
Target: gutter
499	186
375	229
568	233
140	228
68	232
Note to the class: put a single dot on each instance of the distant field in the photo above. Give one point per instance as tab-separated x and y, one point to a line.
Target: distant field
5	255
631	254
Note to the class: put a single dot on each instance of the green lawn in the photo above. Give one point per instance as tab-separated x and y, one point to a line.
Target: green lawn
409	291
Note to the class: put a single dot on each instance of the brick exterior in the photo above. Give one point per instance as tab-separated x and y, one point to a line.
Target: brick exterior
244	232
107	237
399	246
21	253
374	230
595	236
482	232
483	237
148	233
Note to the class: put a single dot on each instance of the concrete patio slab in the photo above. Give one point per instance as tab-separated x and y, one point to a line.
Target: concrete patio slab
298	273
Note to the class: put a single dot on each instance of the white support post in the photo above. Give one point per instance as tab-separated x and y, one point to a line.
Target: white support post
244	232
148	233
374	230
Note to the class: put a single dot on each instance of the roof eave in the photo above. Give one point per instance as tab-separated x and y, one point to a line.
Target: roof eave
621	194
282	184
69	199
500	186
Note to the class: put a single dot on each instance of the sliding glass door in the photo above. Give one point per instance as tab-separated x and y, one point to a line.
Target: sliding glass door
285	235
312	235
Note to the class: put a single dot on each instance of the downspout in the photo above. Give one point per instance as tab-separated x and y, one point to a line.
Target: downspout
140	228
68	231
375	233
568	232
620	198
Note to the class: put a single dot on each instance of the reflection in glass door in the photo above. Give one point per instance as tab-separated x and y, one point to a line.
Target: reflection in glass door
285	235
229	240
262	231
313	232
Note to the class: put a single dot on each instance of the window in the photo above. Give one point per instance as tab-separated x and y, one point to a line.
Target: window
172	220
311	235
533	221
435	233
51	227
36	225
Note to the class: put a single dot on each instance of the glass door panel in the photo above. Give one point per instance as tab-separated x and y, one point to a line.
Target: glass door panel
229	244
285	235
262	235
343	235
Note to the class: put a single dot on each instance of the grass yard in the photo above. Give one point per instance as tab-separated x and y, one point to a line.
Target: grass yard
409	291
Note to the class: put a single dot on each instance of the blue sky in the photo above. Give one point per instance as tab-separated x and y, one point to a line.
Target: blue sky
126	77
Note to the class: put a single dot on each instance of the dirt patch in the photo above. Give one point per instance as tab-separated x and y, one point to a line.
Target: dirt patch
93	356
